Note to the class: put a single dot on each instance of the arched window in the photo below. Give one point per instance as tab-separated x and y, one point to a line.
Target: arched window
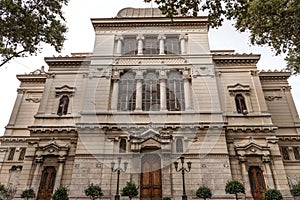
126	97
151	93
240	104
175	92
63	105
122	148
179	146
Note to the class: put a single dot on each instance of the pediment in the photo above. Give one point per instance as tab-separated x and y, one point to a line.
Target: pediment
238	88
65	89
52	149
252	149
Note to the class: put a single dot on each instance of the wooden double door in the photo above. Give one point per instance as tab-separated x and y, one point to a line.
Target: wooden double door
151	183
47	183
257	182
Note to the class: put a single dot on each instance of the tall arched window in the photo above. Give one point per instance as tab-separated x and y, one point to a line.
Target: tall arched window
151	93
151	46
63	105
122	148
179	145
240	103
127	87
175	92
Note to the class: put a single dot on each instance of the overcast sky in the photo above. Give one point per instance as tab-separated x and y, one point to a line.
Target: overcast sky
81	39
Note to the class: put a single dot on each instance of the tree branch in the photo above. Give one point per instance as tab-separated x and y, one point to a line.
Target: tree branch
11	57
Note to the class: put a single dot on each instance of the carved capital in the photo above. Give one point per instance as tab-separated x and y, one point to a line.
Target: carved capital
266	159
161	37
242	159
183	36
119	38
140	37
139	74
162	74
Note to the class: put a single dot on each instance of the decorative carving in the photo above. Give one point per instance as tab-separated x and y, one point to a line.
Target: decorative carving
202	71
272	98
67	90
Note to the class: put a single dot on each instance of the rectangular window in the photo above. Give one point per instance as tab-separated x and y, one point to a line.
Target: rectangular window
296	153
285	153
22	153
151	46
172	45
11	153
129	46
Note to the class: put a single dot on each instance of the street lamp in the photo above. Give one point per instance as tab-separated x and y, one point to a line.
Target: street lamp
118	170
183	170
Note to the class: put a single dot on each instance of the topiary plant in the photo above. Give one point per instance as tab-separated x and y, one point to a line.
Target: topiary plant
3	191
93	191
166	198
27	194
234	187
130	190
273	194
204	192
61	193
296	189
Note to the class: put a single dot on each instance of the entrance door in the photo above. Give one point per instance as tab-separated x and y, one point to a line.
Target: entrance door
47	183
258	186
151	188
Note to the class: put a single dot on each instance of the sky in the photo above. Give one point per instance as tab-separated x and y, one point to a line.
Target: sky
80	38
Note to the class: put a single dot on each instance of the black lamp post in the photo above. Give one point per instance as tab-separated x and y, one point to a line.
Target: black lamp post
118	170
183	170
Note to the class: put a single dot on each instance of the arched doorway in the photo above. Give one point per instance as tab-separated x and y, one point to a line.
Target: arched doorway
47	183
257	182
151	184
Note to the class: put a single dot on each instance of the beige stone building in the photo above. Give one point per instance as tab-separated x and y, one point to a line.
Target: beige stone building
150	92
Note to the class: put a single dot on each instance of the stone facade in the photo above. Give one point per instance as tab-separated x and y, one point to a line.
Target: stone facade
151	92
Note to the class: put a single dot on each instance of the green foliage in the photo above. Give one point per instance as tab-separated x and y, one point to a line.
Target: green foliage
275	23
27	194
296	189
61	193
130	190
26	24
273	194
203	192
234	187
3	191
93	191
166	198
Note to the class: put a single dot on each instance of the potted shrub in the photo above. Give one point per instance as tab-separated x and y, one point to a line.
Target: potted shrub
130	190
28	194
273	194
234	187
61	193
204	192
93	191
296	190
3	191
166	198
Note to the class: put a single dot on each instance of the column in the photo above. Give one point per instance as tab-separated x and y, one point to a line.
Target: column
16	108
45	97
161	39
36	180
187	90
119	39
59	173
183	38
268	172
245	175
163	90
115	90
139	89
140	39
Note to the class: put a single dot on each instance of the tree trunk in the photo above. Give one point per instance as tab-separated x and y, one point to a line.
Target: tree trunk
236	196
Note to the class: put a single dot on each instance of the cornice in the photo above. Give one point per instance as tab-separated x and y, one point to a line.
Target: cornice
52	129
193	22
274	75
247	129
67	61
235	59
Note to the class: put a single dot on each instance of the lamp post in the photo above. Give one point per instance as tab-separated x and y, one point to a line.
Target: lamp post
183	170
118	170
